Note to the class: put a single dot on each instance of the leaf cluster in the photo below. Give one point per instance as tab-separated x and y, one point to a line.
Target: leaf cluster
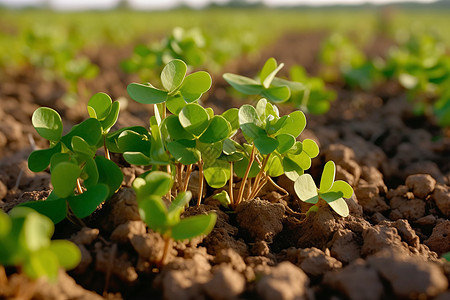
72	159
331	191
25	242
150	189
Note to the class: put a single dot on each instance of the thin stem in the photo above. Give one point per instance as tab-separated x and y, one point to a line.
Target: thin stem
258	189
169	193
200	182
186	179
79	188
244	180
231	185
256	185
286	193
3	277
167	242
106	149
180	168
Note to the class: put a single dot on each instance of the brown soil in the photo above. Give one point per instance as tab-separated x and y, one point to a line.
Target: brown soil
388	248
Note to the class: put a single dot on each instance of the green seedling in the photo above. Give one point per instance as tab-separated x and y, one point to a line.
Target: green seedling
73	163
25	243
341	57
272	149
330	191
166	220
186	45
309	94
178	89
101	107
422	67
267	86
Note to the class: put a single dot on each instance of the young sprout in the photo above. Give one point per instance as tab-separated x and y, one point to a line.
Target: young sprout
166	220
266	87
25	239
330	191
178	89
101	107
73	162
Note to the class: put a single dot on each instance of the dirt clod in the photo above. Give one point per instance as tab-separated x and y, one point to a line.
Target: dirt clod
285	282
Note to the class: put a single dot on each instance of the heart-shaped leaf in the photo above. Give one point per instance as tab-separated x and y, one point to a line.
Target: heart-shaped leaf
85	204
327	179
173	74
194	118
47	123
99	106
146	94
195	85
191	227
306	189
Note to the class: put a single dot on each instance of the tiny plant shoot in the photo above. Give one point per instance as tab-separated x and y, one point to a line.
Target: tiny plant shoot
25	242
330	191
73	162
166	220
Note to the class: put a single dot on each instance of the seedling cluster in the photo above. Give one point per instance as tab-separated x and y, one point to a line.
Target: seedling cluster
182	136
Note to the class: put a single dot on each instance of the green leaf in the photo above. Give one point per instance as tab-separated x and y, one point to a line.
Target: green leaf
40	159
277	93
90	169
109	174
146	94
113	137
340	207
36	231
175	130
191	227
268	68
99	106
132	141
158	153
194	119
55	210
327	179
217	174
248	115
265	144
154	213
274	167
285	142
218	129
343	187
252	132
155	183
81	147
273	126
184	151
42	263
223	198
64	178
68	253
85	204
310	147
209	152
47	123
137	158
241	165
195	85
59	158
90	130
243	84
306	189
5	224
175	103
268	80
232	116
173	74
291	168
111	119
294	124
177	207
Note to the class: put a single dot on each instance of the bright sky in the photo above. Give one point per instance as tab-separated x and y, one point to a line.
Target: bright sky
161	4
